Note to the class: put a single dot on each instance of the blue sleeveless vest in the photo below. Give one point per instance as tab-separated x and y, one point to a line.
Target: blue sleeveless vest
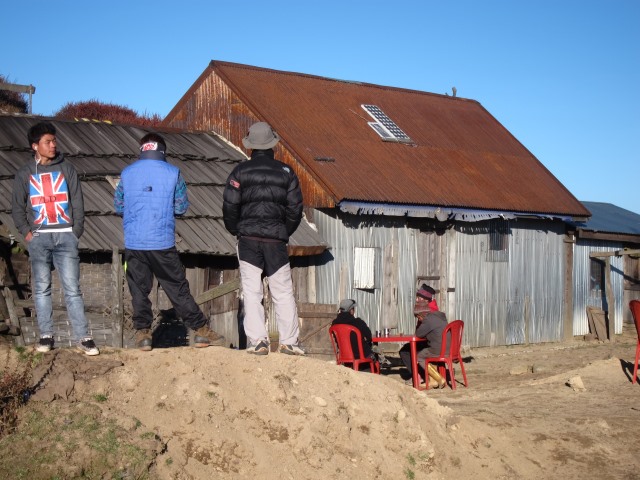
148	217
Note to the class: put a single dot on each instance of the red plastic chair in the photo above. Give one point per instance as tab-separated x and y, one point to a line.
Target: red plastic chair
634	305
456	327
341	341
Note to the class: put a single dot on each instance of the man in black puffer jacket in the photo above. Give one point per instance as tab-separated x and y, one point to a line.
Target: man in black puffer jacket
263	207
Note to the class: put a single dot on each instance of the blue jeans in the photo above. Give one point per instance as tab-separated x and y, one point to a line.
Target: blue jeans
59	250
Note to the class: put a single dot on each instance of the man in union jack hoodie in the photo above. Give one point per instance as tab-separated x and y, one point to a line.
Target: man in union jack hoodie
48	211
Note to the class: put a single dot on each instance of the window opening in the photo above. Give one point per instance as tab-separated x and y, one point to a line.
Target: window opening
498	242
364	268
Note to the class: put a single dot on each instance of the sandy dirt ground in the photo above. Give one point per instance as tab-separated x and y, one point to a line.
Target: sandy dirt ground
530	412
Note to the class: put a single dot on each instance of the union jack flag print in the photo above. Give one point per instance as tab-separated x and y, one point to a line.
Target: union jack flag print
50	198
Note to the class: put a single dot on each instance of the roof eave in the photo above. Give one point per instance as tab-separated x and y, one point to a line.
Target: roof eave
442	213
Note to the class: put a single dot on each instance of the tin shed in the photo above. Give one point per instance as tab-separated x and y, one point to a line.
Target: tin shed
409	187
605	247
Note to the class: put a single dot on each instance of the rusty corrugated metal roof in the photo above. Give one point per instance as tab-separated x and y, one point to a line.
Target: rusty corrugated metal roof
99	150
459	154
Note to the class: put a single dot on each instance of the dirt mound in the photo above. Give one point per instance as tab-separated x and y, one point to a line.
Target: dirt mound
197	413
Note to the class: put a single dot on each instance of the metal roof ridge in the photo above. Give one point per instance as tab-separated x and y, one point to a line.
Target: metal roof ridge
217	64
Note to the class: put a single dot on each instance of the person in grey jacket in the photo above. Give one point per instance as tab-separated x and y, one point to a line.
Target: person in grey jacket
430	325
48	211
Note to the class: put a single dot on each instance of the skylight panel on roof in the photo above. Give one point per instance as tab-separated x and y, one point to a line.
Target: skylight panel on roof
380	130
384	126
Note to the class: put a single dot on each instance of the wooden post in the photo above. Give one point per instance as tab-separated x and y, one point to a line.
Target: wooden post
610	301
117	314
15	321
7	307
312	296
344	288
448	266
567	325
4	310
390	286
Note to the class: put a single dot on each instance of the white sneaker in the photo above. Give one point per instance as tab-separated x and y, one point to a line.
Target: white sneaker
294	349
88	347
261	348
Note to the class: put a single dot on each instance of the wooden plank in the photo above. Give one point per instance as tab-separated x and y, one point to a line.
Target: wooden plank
315	319
7	308
4	311
599	322
31	305
318	307
592	326
13	315
323	326
24	303
617	253
218	291
117	313
331	315
18	236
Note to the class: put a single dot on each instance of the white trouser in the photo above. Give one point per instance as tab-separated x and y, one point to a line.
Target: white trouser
281	288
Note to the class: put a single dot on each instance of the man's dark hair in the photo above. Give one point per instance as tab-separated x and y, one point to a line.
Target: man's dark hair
154	137
37	131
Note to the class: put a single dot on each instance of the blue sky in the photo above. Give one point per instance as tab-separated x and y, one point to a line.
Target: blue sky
561	75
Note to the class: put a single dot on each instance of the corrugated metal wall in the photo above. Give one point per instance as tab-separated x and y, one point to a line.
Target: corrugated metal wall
510	296
588	291
417	254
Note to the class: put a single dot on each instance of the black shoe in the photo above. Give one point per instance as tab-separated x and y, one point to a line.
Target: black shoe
144	340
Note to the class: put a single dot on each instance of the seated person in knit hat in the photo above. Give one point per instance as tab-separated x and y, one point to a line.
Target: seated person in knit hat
427	294
346	316
430	325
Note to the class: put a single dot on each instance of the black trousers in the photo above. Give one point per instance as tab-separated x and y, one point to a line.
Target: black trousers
141	266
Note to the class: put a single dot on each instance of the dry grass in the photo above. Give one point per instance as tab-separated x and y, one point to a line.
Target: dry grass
15	381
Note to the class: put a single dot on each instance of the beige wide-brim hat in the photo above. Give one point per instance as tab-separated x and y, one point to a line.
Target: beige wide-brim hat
260	137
